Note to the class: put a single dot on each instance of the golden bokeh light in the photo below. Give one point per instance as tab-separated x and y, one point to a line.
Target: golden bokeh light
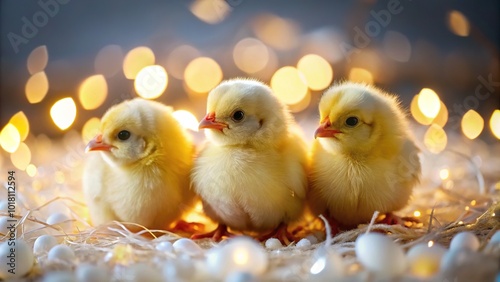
151	82
302	105
21	158
435	139
279	33
10	138
289	85
250	55
109	60
90	129
136	59
417	114
444	174
38	59
20	121
210	11
495	123
202	74
442	117
472	124
31	170
179	58
186	119
93	92
316	70
458	23
429	103
37	87
63	113
360	75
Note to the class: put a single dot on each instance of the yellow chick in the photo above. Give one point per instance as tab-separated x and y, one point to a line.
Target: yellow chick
251	173
141	174
363	158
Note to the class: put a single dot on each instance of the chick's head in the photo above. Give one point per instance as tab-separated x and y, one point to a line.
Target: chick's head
359	119
127	133
243	112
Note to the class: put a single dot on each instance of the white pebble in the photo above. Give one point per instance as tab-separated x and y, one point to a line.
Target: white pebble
313	239
58	220
465	240
44	243
62	253
454	258
303	243
19	262
240	277
328	266
92	273
241	254
378	253
59	276
187	246
273	244
180	269
142	272
165	247
495	239
424	261
5	224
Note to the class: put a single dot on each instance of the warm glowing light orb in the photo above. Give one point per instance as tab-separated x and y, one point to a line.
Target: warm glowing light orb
360	75
202	74
90	129
495	123
31	170
472	124
38	59
289	85
417	213
210	11
136	59
435	139
21	158
250	55
316	70
186	119
20	121
458	23
151	82
442	117
36	87
63	113
179	58
93	92
429	103
10	138
302	105
417	114
444	173
279	33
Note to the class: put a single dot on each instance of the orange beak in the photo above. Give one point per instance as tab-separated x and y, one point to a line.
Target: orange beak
324	130
209	122
96	144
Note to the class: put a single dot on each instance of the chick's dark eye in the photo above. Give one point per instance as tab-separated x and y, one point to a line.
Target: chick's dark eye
238	115
123	135
351	121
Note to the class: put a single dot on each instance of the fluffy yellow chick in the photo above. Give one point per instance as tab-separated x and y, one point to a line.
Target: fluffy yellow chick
251	173
141	173
363	158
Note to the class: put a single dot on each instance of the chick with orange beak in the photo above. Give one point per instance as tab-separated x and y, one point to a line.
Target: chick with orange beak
138	167
363	158
251	173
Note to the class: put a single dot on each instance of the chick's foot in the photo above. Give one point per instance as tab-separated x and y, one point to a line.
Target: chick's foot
187	227
216	235
281	233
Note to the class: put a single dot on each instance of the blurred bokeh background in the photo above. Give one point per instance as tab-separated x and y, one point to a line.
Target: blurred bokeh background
64	62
